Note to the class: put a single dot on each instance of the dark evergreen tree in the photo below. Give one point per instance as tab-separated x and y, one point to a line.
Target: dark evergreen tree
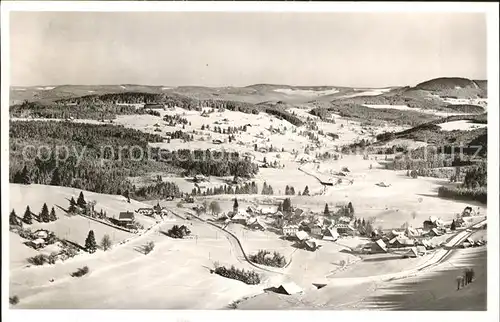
327	211
72	205
81	200
52	216
13	221
453	225
351	209
44	214
363	223
25	175
287	190
306	191
27	218
235	204
90	243
56	178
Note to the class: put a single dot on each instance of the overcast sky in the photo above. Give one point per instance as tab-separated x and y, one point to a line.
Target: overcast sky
239	49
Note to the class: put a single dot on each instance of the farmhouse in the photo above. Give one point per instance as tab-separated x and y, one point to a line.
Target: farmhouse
331	234
301	235
434	232
399	242
290	230
239	217
344	229
254	223
379	247
316	229
125	218
145	211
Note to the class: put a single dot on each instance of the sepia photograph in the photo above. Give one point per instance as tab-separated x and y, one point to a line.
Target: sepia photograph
248	159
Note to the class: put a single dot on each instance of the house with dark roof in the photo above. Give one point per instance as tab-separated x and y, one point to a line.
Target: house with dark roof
378	247
125	218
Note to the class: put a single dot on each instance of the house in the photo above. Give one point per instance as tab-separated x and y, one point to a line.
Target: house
310	245
399	242
395	233
344	229
411	253
331	234
240	217
302	235
411	232
298	212
255	223
378	247
125	218
316	229
37	243
467	212
41	234
428	225
145	211
290	230
434	232
421	250
268	210
288	289
344	220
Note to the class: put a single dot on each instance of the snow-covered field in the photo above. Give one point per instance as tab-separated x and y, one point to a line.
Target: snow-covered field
306	92
368	92
462	125
406	108
73	228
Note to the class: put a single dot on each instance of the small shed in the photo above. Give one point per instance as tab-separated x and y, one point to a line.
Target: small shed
37	243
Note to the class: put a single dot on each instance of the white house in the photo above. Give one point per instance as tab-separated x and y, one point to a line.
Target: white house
290	230
145	211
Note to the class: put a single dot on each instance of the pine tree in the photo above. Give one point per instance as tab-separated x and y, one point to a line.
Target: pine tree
13	218
25	176
363	223
287	190
235	204
327	211
44	215
81	200
56	178
27	218
453	225
306	191
292	191
351	209
90	243
264	189
52	216
72	205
